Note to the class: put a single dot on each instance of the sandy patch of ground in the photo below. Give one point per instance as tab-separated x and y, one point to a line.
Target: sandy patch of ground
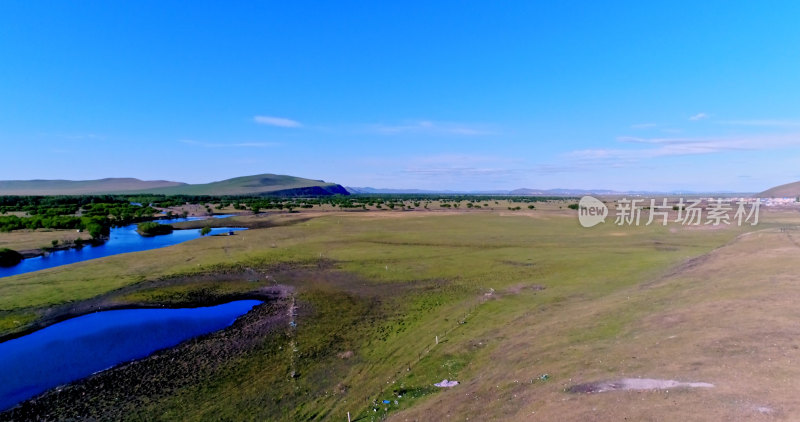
199	210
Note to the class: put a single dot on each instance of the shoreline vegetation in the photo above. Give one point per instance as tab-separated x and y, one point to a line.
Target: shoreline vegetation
79	243
189	363
145	296
63	246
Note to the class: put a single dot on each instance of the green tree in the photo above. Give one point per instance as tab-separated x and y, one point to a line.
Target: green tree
205	230
95	230
9	257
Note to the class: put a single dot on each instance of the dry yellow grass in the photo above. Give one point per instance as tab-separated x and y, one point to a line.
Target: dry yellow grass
29	239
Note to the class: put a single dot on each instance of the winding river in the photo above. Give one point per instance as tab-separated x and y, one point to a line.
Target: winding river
121	240
78	347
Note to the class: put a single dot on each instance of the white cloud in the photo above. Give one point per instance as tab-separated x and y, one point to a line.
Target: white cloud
228	145
430	127
460	172
543	169
85	136
455	167
699	116
276	121
73	136
665	147
456	160
763	123
637	140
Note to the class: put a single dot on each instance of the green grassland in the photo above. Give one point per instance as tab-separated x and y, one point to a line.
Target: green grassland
376	289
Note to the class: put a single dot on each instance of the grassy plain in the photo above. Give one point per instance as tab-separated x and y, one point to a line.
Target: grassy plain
21	240
511	296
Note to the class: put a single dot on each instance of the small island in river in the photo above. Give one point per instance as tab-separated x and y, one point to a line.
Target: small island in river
151	228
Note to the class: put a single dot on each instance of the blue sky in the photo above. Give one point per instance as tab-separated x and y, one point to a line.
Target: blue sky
435	95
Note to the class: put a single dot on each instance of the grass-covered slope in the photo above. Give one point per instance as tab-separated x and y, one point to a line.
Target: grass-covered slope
80	187
260	184
789	190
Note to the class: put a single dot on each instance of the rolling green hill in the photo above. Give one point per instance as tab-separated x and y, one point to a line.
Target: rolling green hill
789	190
261	184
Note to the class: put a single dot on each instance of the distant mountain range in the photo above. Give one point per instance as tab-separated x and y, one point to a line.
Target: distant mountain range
260	184
523	191
81	187
531	192
283	185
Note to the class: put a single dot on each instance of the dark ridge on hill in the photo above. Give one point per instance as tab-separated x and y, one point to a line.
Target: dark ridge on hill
259	184
313	191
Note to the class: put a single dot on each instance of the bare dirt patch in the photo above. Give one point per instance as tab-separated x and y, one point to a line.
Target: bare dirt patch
519	288
191	210
627	384
517	263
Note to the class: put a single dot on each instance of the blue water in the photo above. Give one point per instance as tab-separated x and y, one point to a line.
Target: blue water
79	347
121	240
